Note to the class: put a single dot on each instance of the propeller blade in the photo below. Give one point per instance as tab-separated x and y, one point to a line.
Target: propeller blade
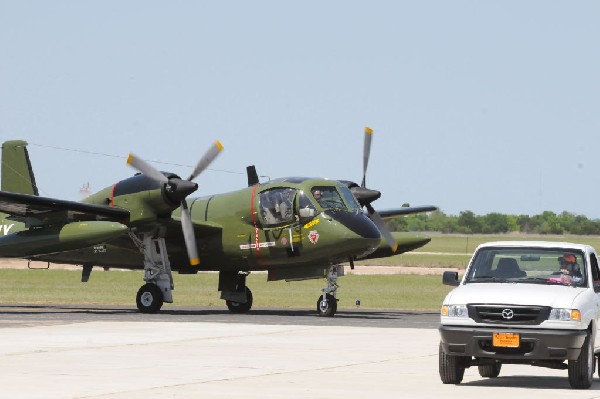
366	152
188	234
382	226
146	168
207	159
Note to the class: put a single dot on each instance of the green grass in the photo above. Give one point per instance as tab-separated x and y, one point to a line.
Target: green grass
454	250
409	292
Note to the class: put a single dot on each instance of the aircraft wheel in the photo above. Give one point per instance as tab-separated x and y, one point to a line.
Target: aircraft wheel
149	298
327	307
238	307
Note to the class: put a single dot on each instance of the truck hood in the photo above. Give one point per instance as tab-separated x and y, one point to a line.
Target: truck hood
556	296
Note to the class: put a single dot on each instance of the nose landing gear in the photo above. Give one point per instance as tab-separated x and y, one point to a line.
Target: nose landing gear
327	303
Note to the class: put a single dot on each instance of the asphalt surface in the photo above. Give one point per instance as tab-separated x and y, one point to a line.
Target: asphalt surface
33	315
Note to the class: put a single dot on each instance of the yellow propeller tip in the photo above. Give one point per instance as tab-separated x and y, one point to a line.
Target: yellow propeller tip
194	262
395	248
368	130
130	159
219	145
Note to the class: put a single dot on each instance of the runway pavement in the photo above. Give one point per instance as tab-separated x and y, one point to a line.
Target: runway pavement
69	352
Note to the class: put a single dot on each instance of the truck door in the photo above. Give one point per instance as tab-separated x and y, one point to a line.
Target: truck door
596	285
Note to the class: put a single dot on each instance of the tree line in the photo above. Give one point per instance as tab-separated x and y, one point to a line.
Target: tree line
495	223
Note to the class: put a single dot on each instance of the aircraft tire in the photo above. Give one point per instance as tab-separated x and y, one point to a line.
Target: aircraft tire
237	307
327	309
149	298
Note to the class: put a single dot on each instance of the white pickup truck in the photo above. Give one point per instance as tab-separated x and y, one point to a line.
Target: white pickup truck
525	302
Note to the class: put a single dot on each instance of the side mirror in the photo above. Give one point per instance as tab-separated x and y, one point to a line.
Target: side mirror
306	212
450	278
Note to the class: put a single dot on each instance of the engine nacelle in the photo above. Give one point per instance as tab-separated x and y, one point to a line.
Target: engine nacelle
145	198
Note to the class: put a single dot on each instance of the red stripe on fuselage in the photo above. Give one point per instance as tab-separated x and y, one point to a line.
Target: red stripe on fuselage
253	213
112	196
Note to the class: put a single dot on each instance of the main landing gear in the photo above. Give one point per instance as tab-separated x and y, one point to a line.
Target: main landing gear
157	273
232	285
327	303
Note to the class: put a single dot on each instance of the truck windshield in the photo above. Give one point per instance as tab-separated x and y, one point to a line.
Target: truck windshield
529	266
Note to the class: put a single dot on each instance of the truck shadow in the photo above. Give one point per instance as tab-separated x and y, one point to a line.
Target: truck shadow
528	382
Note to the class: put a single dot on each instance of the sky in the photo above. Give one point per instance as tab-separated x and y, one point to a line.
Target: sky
475	105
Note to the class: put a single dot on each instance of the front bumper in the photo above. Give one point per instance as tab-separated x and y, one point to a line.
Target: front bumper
535	344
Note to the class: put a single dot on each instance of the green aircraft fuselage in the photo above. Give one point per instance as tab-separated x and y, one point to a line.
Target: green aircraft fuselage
248	229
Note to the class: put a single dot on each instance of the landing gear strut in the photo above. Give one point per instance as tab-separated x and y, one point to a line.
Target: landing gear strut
327	303
157	273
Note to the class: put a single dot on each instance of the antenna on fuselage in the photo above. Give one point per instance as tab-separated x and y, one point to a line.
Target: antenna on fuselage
252	175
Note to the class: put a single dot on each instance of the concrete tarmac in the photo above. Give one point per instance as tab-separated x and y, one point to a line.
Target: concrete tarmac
150	359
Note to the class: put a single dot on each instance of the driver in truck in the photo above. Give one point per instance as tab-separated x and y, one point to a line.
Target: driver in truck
569	268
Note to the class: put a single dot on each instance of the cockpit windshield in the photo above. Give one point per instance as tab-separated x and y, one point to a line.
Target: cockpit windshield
529	266
328	197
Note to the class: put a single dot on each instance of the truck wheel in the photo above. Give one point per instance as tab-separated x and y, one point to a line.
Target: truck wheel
490	370
452	368
581	371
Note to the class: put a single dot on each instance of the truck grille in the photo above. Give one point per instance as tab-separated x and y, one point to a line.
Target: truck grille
508	314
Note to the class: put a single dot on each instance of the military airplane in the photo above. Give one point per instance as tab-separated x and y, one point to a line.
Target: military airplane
293	228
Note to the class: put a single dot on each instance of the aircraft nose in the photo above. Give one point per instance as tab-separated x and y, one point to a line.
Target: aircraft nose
358	223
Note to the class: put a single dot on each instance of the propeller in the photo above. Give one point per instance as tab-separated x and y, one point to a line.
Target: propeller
177	191
365	196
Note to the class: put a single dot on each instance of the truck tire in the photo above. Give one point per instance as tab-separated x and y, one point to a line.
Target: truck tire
581	371
452	368
490	370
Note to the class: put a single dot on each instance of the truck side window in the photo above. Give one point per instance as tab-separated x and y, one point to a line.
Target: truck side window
595	271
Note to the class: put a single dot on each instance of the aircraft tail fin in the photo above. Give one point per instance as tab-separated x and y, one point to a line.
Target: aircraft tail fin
17	174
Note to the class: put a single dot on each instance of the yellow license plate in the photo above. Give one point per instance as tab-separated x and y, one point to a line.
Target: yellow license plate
506	340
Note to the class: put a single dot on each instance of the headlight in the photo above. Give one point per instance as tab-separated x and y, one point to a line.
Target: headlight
455	311
565	315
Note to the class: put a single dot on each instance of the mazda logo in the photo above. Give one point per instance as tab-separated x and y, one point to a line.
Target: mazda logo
508	314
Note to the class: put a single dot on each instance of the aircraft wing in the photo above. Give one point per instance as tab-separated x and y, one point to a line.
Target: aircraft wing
38	211
407	210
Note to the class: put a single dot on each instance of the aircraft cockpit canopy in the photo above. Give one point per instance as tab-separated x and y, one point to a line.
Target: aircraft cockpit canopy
278	206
